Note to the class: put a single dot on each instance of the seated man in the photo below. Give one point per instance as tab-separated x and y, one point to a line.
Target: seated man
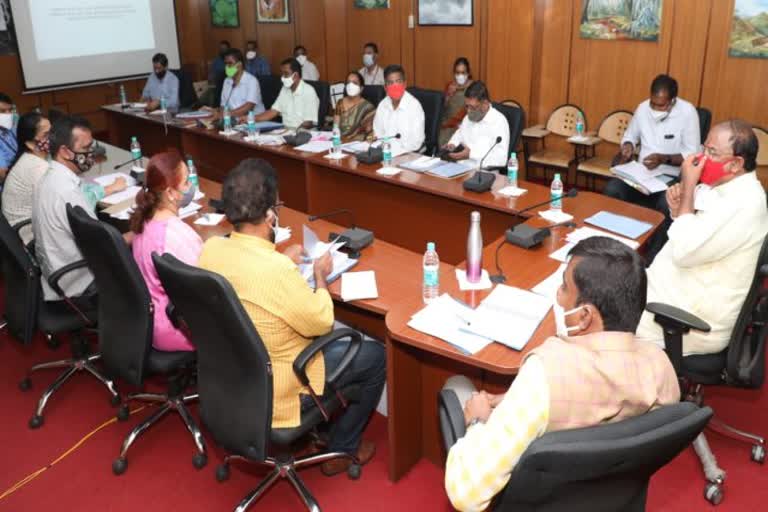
287	313
308	69
707	266
255	64
8	146
399	113
371	71
241	92
297	103
479	129
161	84
592	372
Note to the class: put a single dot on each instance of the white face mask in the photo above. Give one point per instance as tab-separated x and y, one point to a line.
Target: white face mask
250	55
353	89
368	59
461	78
287	81
561	327
302	59
6	121
659	115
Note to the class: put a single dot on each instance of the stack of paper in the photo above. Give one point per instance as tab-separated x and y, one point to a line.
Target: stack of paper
197	114
585	232
639	177
123	195
314	249
556	216
548	287
450	170
421	164
620	224
189	210
359	286
315	146
267	140
210	219
448	319
355	147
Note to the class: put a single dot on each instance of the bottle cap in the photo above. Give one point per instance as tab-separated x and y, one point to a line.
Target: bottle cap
133	139
475	216
513	155
190	163
557	176
430	246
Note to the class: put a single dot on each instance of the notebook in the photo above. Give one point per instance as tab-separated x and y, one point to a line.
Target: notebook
619	224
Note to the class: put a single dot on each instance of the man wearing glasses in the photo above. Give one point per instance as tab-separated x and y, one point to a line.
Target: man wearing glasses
399	113
718	227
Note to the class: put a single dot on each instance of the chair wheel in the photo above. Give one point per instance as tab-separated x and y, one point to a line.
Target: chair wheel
123	413
36	421
354	471
53	342
25	384
200	460
115	400
119	466
713	493
758	453
222	472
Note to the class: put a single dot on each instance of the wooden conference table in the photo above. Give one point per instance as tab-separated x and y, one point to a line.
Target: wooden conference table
404	212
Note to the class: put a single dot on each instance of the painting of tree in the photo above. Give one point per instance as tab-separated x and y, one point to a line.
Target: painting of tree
749	31
621	19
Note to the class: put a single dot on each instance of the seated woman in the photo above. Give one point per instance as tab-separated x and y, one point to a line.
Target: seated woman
354	114
159	229
28	167
453	111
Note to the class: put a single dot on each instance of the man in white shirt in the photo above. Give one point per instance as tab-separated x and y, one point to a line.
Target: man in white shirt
399	113
241	92
161	84
297	103
308	69
371	71
707	266
480	129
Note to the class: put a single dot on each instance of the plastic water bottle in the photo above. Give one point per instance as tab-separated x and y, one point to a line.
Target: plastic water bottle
474	249
136	150
386	152
556	191
580	125
193	174
15	115
431	285
251	124
336	138
123	96
163	103
227	120
512	167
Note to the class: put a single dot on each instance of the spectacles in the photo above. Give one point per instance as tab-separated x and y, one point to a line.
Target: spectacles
713	153
278	205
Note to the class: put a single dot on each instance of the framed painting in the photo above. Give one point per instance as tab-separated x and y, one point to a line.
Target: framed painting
272	11
446	12
621	19
749	30
225	13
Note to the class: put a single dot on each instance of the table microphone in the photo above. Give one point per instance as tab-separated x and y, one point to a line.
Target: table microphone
373	155
126	163
355	239
482	181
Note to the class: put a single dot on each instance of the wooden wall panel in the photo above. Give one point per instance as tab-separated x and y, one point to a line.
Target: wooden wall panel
382	26
689	45
336	49
310	31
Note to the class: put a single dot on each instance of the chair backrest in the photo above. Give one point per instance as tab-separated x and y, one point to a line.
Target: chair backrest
374	94
745	366
516	119
233	367
187	93
613	126
762	139
270	89
562	120
705	121
511	103
337	92
601	468
125	306
432	104
21	277
323	91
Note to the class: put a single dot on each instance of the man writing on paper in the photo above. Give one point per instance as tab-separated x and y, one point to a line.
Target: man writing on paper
707	266
161	84
592	372
288	314
297	103
479	130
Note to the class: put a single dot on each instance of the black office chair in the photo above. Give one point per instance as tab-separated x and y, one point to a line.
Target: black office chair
26	312
705	121
432	104
374	94
187	95
126	332
741	364
270	89
594	469
323	90
516	120
235	379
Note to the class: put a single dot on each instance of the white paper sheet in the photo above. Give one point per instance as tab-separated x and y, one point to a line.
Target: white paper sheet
549	286
359	286
447	319
464	284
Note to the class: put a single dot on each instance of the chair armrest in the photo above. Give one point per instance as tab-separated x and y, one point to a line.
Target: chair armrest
306	355
675	318
54	278
173	315
17	227
451	417
763	270
535	132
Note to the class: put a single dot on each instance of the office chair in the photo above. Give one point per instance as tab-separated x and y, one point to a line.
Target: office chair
323	91
374	94
741	364
432	104
187	94
235	380
126	332
26	312
594	469
270	89
516	119
705	121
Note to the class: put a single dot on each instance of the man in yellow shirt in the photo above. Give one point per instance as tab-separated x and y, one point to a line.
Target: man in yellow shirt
288	313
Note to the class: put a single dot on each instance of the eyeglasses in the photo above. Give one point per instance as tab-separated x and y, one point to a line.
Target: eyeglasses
278	205
713	153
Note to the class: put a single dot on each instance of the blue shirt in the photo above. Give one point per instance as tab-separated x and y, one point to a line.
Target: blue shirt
217	69
258	66
168	87
8	147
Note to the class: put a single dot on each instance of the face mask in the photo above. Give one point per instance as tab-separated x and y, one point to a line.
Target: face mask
43	146
6	121
250	55
84	161
353	89
396	91
275	226
560	314
287	81
160	75
659	115
186	198
713	172
476	116
230	71
302	59
461	78
368	59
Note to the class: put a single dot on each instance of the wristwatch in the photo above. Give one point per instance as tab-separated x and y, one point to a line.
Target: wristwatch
473	422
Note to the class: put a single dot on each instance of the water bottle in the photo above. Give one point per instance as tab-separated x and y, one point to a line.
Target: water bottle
386	152
227	120
193	174
512	167
556	191
163	103
336	138
123	96
580	125
474	249
431	284
136	150
251	124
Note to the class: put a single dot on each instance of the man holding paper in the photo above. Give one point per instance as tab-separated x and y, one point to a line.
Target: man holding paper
592	372
288	313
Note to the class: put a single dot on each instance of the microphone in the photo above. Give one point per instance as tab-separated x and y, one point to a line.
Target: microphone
355	239
482	181
374	155
526	236
498	140
126	163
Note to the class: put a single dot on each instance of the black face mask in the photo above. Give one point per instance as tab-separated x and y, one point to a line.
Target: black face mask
160	75
83	160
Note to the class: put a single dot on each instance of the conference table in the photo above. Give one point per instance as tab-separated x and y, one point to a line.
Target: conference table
404	212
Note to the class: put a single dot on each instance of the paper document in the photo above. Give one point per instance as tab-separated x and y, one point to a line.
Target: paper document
266	140
448	319
450	170
556	216
639	177
123	195
210	219
388	171
359	286
282	235
355	147
189	210
620	224
669	170
548	287
315	146
197	114
562	253
510	191
483	284
314	249
106	180
586	232
421	164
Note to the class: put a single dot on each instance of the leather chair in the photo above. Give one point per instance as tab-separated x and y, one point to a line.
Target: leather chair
594	469
187	94
705	121
235	380
126	331
323	90
374	94
741	364
516	120
26	312
432	104
270	89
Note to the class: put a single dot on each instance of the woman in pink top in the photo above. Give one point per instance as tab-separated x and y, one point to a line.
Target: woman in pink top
159	229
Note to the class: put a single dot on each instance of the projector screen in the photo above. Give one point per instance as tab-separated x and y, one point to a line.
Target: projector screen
66	43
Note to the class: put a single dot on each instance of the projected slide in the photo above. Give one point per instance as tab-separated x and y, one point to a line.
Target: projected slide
78	28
